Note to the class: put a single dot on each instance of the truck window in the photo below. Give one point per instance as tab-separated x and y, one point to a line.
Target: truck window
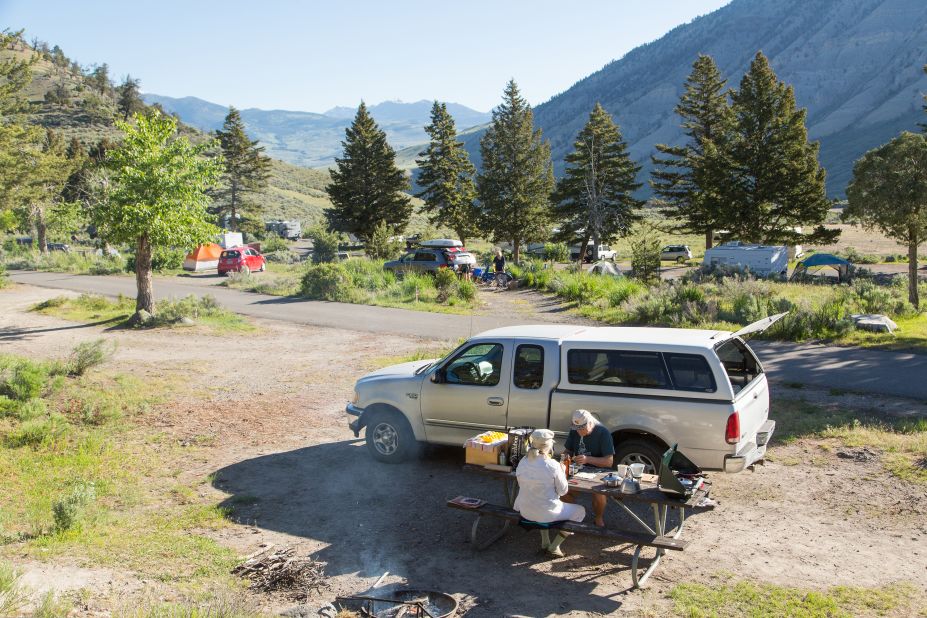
617	368
739	363
690	372
477	365
529	366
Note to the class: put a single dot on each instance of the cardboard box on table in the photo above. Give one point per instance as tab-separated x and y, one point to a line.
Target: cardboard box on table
481	453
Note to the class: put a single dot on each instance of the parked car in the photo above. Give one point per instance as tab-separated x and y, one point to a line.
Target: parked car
605	253
676	253
458	254
59	246
241	259
421	260
704	390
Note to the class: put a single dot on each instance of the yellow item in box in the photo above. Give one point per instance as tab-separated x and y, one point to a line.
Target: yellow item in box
485	448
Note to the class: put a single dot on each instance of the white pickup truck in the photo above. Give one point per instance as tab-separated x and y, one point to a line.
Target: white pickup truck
651	387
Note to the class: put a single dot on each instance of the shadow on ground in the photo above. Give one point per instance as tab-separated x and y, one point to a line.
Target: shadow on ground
376	517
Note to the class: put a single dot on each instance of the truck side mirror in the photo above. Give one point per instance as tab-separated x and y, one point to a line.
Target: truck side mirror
438	377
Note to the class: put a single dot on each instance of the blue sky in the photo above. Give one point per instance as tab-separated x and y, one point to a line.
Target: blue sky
311	56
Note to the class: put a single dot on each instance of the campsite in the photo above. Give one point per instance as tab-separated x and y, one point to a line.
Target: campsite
420	310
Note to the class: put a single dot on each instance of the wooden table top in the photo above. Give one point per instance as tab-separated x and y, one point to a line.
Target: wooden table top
649	492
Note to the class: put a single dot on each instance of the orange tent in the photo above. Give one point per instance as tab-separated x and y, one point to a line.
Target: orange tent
203	257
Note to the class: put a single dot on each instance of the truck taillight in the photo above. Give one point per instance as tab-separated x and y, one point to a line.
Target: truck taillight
732	431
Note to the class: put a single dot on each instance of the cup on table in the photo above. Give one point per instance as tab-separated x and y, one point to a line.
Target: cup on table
622	470
637	470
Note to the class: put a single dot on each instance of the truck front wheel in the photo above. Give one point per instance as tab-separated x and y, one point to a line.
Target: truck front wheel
638	451
389	437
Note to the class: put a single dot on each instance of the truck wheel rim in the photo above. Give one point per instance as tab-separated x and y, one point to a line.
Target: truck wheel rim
385	439
632	458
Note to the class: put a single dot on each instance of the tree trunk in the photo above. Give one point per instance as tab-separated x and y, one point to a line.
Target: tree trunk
144	298
595	248
582	251
709	238
515	250
41	229
233	220
912	270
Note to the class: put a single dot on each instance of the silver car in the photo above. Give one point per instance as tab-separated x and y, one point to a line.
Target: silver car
676	253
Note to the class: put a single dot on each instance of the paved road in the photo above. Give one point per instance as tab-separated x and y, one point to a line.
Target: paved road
871	371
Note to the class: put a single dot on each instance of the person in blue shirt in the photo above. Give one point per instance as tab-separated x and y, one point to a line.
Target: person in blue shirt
590	444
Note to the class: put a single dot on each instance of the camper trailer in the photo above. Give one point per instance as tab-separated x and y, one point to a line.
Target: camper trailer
761	260
291	230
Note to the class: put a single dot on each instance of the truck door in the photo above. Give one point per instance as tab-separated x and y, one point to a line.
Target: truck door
469	393
535	373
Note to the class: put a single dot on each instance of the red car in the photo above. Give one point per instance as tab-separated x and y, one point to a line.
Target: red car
241	260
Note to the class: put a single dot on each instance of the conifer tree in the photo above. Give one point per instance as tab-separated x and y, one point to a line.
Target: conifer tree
889	193
777	183
245	171
446	177
99	79
367	187
517	178
129	98
690	180
595	194
20	141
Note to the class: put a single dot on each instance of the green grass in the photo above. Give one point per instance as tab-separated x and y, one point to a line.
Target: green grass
902	440
758	600
100	488
93	308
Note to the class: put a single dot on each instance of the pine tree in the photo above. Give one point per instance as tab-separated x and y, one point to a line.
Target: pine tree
20	140
446	177
777	182
690	179
367	187
129	98
517	178
245	171
595	194
99	79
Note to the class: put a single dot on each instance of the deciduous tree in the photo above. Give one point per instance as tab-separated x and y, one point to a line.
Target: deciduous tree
889	193
595	194
157	196
517	179
367	187
690	179
777	183
245	171
446	177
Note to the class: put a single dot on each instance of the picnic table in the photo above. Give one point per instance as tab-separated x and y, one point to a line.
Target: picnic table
656	535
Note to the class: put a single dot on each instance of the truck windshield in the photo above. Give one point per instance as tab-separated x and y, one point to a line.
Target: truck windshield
741	365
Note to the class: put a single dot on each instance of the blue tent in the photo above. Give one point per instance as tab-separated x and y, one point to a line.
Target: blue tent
824	259
820	260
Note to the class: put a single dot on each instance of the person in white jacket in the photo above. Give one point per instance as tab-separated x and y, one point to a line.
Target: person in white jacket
541	482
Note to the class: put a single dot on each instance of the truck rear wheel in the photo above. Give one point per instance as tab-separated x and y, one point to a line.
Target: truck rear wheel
639	451
389	437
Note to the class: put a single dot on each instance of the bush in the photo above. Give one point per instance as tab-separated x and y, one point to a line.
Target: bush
466	290
87	355
68	511
556	252
645	257
108	265
37	431
446	284
324	245
382	245
856	257
4	279
326	282
163	258
274	243
24	381
283	257
191	306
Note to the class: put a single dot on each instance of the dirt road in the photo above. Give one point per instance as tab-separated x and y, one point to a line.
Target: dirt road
890	373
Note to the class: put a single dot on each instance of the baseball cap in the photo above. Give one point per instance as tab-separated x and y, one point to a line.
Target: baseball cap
582	417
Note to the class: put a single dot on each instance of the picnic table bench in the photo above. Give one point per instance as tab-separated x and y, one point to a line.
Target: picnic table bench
658	536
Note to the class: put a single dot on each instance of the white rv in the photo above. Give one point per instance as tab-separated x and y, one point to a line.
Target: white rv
761	260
